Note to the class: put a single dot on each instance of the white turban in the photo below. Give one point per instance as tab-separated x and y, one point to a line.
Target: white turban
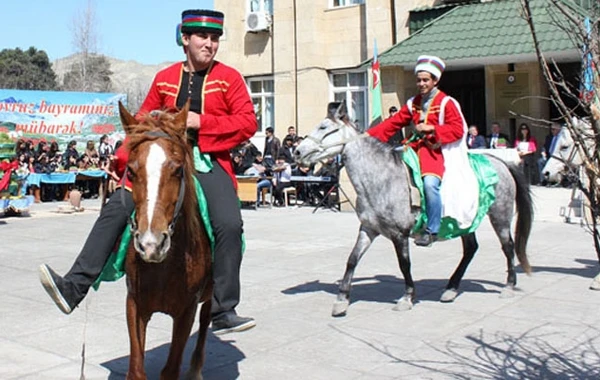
432	64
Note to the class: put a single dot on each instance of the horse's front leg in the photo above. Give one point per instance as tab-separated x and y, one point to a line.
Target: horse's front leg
470	246
363	242
182	325
195	371
403	254
136	325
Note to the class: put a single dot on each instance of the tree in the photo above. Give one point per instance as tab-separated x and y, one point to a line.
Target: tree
580	20
90	71
26	70
90	74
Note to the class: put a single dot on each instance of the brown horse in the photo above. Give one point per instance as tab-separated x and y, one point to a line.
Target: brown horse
168	263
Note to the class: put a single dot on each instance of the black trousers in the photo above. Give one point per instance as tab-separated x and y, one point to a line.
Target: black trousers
226	221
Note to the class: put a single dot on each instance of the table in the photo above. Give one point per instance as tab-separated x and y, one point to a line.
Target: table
246	190
63	178
509	155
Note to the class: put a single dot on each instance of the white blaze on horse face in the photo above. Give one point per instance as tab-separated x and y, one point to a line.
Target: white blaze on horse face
154	163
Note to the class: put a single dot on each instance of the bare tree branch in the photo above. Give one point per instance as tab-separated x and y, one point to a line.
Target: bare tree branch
571	20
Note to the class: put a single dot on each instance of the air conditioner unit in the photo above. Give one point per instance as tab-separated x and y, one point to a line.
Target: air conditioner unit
257	22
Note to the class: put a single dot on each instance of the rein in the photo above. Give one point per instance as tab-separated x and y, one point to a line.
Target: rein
131	219
321	148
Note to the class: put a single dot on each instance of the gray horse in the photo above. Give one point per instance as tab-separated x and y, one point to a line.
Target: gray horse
383	205
568	160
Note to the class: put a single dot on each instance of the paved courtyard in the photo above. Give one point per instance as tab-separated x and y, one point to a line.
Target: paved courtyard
549	328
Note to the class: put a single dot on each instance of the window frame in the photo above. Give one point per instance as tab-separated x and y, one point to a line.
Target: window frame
265	6
265	119
349	89
347	3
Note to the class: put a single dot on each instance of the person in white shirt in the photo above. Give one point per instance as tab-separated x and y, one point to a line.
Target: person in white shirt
282	178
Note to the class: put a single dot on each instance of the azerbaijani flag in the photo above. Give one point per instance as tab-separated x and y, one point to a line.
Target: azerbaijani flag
590	80
376	110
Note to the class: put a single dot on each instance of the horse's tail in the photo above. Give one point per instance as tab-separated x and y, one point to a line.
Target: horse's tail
524	216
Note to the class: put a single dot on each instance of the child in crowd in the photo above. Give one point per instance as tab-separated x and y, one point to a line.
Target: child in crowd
282	178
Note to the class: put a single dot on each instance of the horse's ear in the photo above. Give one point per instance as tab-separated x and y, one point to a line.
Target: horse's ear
181	116
126	118
332	109
342	112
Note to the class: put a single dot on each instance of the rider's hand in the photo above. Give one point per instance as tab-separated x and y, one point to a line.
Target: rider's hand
425	128
193	120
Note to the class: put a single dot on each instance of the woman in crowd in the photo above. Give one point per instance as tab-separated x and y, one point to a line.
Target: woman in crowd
105	150
71	156
53	151
526	147
92	154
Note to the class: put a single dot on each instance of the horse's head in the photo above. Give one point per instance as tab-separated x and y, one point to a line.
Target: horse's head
555	167
328	138
159	167
566	156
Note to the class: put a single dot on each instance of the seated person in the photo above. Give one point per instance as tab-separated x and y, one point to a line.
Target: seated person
258	170
497	139
475	140
70	156
287	150
238	167
282	178
92	154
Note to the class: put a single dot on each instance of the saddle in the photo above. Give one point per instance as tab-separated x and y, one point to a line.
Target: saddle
486	176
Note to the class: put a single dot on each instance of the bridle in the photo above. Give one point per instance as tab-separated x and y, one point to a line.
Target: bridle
180	197
320	147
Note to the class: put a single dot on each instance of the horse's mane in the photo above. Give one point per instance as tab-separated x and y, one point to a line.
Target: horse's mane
164	122
385	151
389	151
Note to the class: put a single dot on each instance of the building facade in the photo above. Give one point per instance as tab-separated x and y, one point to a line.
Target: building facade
299	55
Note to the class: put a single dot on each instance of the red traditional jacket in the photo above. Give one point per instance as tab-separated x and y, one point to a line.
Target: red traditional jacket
428	148
227	118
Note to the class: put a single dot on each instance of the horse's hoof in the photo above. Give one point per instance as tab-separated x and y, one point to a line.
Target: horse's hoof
403	304
449	295
595	285
507	292
340	308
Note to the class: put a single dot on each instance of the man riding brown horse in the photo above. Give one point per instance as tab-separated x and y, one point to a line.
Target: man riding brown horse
221	117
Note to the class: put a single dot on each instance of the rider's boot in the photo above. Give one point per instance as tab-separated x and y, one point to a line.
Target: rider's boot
426	239
68	291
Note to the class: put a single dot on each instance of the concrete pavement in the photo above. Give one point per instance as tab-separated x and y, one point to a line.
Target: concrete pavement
549	329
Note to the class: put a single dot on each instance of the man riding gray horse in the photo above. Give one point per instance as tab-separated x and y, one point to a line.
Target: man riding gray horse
440	130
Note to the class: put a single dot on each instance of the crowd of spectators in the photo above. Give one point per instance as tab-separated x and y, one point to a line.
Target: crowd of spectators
47	157
276	166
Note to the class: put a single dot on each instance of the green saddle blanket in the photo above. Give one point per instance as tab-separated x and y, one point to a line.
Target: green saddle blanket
487	178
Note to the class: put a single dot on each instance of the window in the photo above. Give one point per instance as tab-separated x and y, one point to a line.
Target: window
262	94
260	6
345	3
352	87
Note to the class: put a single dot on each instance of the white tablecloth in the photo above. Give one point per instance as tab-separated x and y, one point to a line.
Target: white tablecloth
507	155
